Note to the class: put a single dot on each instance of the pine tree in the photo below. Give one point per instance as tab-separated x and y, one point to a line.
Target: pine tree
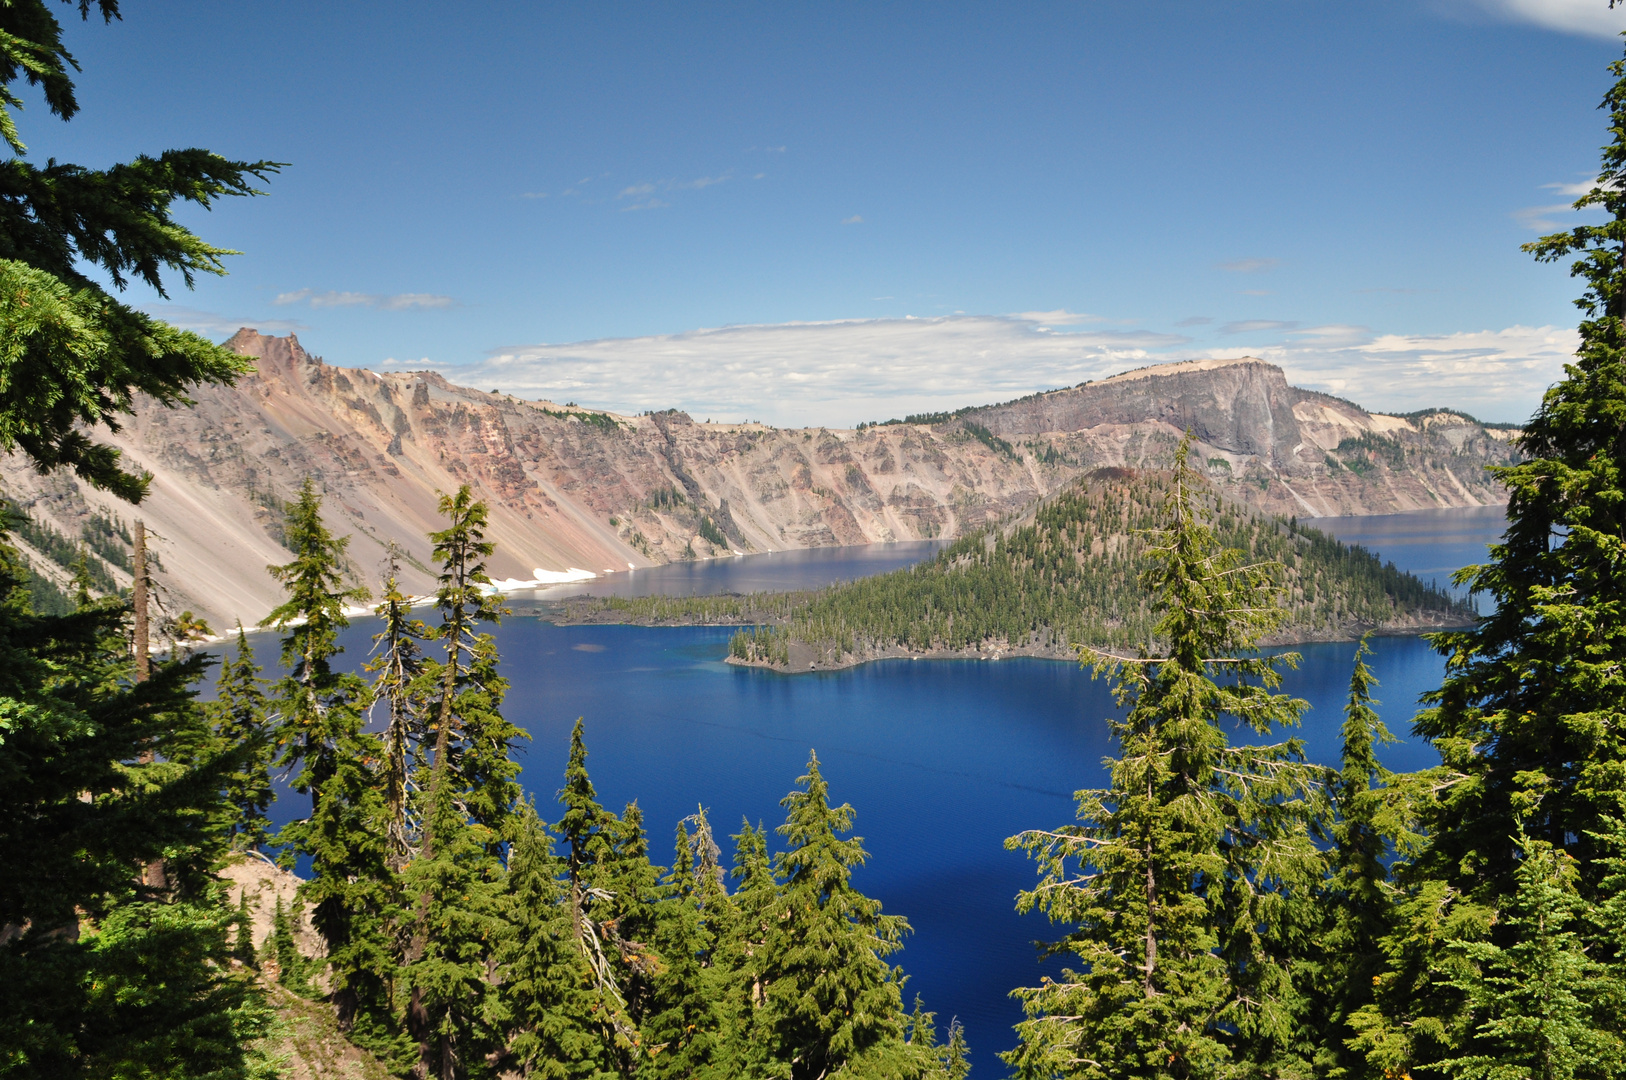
470	798
243	950
397	670
1530	719
830	1001
1534	701
238	714
319	727
102	972
546	984
76	356
1371	822
1538	1007
1188	879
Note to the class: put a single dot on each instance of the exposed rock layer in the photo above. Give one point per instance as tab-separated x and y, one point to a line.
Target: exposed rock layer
572	488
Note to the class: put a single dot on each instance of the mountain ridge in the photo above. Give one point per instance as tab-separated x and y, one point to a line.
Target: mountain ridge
571	487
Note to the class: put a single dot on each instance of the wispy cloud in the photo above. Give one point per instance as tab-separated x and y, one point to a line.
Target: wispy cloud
1255	292
635	191
856	219
1255	326
383	302
839	373
1248	266
1591	18
209	323
1195	320
1059	317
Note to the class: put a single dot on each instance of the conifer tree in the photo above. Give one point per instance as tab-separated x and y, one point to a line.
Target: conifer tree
397	670
1187	880
469	800
1534	698
545	979
830	1001
1538	1006
75	356
1530	719
243	950
740	954
319	727
238	713
1370	822
101	972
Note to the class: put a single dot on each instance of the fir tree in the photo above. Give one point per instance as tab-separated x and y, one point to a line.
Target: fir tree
830	1001
1530	719
238	713
470	798
397	670
956	1063
319	727
546	984
1371	822
102	972
1188	879
740	954
1538	1007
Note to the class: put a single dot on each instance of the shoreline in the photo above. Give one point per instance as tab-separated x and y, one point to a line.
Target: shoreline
807	659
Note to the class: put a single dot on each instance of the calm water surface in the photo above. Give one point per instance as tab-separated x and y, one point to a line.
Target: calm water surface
942	759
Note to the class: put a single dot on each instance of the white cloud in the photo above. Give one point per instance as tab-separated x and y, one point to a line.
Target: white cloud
1494	374
646	204
856	219
1249	266
1254	326
842	372
1593	18
1059	317
635	191
817	373
392	302
207	322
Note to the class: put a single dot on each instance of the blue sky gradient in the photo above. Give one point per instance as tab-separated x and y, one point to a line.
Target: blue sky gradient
1291	179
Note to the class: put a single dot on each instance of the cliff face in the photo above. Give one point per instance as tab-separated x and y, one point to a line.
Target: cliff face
1271	445
572	488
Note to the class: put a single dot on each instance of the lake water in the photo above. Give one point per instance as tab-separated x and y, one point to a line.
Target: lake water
942	759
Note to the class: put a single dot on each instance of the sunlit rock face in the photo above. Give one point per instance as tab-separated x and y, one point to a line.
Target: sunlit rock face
571	489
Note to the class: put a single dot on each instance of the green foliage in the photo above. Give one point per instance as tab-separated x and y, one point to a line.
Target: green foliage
710	533
1184	884
238	714
989	439
1069	578
1505	954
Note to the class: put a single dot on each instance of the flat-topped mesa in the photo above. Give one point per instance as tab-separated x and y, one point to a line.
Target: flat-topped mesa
1243	406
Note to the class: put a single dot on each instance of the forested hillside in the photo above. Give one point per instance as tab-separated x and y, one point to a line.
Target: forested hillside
1068	576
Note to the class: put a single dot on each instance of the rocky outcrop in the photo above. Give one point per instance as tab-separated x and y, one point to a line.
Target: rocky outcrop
573	488
1267	443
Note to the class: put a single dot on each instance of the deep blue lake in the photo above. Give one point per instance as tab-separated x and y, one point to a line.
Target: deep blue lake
942	759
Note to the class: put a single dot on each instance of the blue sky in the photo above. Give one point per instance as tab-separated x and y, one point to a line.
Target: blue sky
568	200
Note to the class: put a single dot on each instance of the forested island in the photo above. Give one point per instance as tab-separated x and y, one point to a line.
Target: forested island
1066	575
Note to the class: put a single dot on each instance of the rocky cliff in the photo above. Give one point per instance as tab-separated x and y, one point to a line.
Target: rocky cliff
573	488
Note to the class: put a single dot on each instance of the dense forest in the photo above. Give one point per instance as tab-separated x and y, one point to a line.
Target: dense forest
1224	910
1068	577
